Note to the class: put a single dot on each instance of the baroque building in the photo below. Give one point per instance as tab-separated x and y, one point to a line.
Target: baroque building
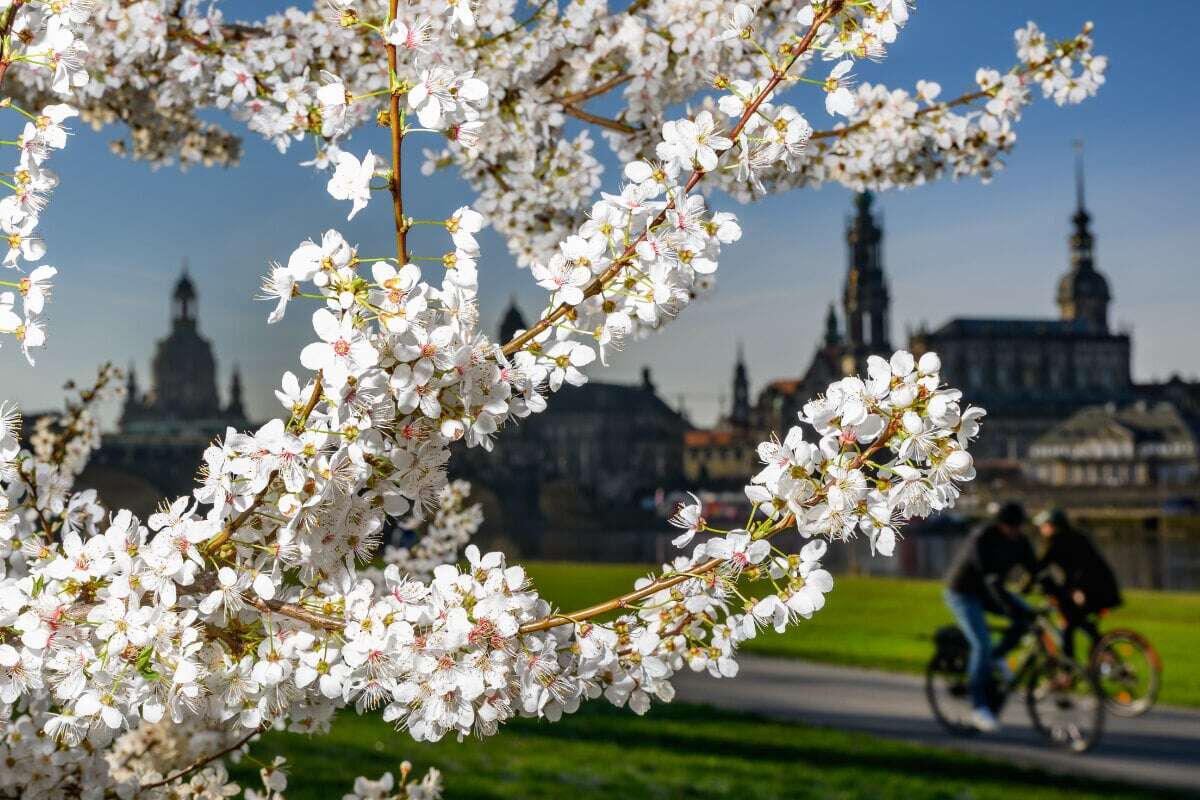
579	480
1032	373
1142	444
183	393
164	429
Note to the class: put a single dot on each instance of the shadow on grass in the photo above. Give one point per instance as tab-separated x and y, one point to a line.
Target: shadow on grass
689	750
831	749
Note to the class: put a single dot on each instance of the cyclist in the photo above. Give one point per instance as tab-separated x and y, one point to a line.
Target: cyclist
975	584
1087	583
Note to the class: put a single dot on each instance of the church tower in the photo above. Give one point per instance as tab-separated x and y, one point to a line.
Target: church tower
235	409
833	336
739	415
865	297
184	370
1083	294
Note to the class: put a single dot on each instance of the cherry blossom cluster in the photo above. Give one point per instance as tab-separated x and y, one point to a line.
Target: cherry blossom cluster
42	41
893	138
886	449
467	70
446	532
117	622
893	447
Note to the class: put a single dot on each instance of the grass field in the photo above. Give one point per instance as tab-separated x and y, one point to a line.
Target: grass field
887	623
676	751
683	751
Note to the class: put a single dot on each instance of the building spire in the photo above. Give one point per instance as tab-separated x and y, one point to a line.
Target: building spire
183	299
865	300
739	414
1083	293
134	402
832	336
512	321
235	410
1079	204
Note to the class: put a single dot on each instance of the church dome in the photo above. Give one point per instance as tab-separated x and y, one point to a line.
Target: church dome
1083	284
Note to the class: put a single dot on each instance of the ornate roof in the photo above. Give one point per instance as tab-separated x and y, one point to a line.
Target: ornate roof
1013	328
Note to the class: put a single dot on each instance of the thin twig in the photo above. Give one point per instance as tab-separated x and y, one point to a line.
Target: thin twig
241	519
554	620
202	762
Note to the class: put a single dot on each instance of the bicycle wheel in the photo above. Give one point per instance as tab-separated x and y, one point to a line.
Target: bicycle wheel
1129	672
1065	704
948	695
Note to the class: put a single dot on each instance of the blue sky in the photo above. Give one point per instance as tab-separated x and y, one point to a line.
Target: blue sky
118	231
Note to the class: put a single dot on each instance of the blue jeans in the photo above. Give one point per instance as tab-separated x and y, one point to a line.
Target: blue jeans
968	612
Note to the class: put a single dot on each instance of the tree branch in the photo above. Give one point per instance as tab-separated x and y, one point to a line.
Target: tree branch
604	122
202	762
601	281
596	90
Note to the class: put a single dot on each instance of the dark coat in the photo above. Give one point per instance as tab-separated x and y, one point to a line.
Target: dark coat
984	562
1083	567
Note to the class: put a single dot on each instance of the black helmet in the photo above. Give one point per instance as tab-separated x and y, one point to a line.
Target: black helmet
1011	514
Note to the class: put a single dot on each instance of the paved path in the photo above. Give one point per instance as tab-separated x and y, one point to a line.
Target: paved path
1161	748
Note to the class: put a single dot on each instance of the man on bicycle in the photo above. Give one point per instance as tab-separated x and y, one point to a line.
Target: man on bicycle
1073	571
975	584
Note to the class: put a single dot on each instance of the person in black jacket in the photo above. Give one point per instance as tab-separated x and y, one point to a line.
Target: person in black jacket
975	584
1073	571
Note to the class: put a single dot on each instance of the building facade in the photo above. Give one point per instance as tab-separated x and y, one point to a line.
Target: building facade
1141	444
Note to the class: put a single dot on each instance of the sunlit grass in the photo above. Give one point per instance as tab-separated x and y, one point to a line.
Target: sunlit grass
888	622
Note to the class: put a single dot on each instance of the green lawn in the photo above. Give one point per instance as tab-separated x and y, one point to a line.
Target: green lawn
676	751
691	752
887	622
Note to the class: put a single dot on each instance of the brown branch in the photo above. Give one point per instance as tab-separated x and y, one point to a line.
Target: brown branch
600	282
202	762
596	90
604	122
397	135
241	519
554	620
296	612
961	100
313	399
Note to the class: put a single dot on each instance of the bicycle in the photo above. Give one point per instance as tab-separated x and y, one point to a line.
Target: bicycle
1123	662
1128	670
1063	699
